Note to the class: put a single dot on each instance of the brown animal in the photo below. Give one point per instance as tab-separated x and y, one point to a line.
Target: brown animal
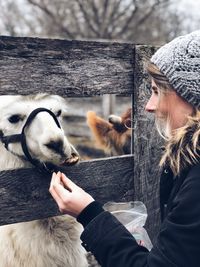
114	135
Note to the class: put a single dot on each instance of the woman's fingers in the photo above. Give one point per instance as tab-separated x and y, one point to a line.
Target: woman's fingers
59	201
67	182
61	191
70	198
55	196
56	185
58	192
55	178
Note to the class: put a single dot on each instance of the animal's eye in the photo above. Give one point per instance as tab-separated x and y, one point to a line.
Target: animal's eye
58	113
14	118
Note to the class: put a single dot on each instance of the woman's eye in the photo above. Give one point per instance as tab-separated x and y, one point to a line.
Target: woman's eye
156	92
14	118
58	113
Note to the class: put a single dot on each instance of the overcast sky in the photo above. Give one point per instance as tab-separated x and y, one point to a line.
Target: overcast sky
190	6
190	10
191	13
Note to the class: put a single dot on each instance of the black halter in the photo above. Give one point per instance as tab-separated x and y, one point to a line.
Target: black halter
21	138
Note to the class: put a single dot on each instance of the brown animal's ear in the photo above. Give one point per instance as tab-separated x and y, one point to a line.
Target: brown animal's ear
126	115
99	127
128	123
127	119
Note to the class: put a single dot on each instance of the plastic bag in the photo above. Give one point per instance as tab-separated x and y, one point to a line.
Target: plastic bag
133	216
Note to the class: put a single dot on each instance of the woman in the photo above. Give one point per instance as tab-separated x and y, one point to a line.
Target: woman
175	101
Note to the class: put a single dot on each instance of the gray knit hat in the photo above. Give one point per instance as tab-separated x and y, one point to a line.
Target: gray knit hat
179	61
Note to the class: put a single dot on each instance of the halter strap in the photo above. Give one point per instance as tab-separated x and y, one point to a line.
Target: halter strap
10	139
21	138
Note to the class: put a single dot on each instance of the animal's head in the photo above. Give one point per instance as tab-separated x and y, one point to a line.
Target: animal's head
114	135
45	141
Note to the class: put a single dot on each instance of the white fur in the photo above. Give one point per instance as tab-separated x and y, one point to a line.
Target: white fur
52	242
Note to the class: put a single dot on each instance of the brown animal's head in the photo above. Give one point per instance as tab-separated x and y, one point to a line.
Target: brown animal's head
114	135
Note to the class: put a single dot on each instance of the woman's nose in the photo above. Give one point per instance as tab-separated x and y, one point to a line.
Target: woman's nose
151	105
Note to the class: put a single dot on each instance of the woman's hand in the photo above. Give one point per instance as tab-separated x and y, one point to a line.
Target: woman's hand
71	199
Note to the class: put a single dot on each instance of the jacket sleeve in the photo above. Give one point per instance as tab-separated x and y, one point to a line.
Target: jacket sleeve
177	244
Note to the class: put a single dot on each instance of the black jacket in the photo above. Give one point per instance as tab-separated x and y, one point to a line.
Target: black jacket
178	242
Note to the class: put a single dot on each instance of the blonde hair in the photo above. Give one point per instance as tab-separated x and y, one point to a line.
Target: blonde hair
164	87
182	148
159	78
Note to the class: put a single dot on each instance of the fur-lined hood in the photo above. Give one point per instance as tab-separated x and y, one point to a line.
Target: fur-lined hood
183	149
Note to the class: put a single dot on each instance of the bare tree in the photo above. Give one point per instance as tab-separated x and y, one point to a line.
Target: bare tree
9	10
139	21
94	19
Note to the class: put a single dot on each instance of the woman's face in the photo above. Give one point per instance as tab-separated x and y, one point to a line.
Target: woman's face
168	107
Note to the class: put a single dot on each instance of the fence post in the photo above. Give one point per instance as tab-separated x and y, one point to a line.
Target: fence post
147	143
108	105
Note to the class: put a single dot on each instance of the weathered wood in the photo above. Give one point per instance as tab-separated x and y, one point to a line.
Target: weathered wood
24	192
68	68
147	143
76	69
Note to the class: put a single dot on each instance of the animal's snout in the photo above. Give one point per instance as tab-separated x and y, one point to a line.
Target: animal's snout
56	146
115	119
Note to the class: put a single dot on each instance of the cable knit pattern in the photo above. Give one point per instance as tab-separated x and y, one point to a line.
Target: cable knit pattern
179	61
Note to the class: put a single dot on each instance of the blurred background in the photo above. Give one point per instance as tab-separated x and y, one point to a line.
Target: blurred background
152	22
138	21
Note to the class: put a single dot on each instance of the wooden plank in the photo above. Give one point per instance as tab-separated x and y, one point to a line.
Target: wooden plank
67	68
24	192
147	143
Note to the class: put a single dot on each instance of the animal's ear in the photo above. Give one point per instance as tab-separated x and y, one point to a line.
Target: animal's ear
63	104
128	123
126	115
97	124
65	111
99	127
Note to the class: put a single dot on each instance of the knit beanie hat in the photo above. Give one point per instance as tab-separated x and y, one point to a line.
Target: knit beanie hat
179	61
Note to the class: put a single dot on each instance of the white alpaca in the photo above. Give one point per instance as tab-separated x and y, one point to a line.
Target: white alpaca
52	242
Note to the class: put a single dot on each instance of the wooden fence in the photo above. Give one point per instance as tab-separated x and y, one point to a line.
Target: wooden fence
79	69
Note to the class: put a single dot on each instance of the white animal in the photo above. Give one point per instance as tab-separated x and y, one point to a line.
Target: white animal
52	242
